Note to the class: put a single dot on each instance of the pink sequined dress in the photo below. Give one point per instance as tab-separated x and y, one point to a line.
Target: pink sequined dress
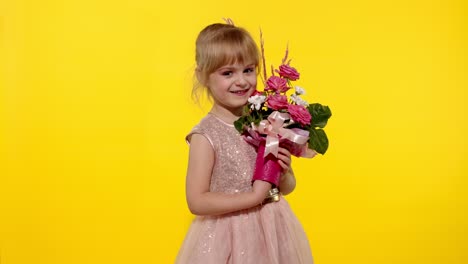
265	234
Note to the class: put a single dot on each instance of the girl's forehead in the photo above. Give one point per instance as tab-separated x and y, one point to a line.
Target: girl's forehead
237	65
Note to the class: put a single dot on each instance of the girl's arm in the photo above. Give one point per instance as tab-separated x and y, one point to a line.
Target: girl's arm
287	182
199	198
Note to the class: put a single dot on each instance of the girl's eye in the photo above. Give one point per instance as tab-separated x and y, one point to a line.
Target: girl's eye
248	70
226	73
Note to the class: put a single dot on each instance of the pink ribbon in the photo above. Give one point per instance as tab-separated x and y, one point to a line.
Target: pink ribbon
273	128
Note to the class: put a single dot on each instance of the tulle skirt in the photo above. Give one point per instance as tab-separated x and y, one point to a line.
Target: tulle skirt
268	234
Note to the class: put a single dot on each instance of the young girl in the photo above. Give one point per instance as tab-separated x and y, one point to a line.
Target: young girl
237	222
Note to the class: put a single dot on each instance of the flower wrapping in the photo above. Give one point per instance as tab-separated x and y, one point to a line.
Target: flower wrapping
267	167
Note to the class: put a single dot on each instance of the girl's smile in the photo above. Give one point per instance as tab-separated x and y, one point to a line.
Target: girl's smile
240	92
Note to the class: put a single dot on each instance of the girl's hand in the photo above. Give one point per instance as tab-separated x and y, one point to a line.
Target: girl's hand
284	159
260	190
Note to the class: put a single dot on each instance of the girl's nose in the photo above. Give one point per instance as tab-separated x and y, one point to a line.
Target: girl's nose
241	81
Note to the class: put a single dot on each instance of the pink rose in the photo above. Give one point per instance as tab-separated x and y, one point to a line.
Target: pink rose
288	72
299	114
277	102
277	84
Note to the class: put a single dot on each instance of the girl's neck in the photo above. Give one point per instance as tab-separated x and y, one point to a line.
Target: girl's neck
226	115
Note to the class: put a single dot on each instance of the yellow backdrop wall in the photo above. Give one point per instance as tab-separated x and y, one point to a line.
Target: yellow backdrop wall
95	104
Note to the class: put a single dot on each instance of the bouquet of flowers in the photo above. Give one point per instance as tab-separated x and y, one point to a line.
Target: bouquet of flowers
278	116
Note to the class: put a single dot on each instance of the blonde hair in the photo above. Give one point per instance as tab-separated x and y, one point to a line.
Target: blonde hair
218	45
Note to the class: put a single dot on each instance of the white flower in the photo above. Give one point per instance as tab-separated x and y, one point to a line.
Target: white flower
299	90
298	100
256	101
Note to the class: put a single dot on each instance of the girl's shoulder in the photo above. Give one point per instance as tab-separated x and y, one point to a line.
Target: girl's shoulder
206	124
207	127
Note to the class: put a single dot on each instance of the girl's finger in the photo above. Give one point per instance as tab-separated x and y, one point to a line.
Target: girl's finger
283	165
285	159
284	151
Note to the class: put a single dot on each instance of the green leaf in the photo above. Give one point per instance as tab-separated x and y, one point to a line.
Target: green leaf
318	140
239	124
320	114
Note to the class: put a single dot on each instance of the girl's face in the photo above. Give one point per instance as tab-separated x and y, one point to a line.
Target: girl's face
231	85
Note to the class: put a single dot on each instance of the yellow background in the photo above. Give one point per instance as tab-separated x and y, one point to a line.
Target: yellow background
95	104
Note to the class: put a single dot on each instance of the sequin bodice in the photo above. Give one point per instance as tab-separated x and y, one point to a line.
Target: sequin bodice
234	158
